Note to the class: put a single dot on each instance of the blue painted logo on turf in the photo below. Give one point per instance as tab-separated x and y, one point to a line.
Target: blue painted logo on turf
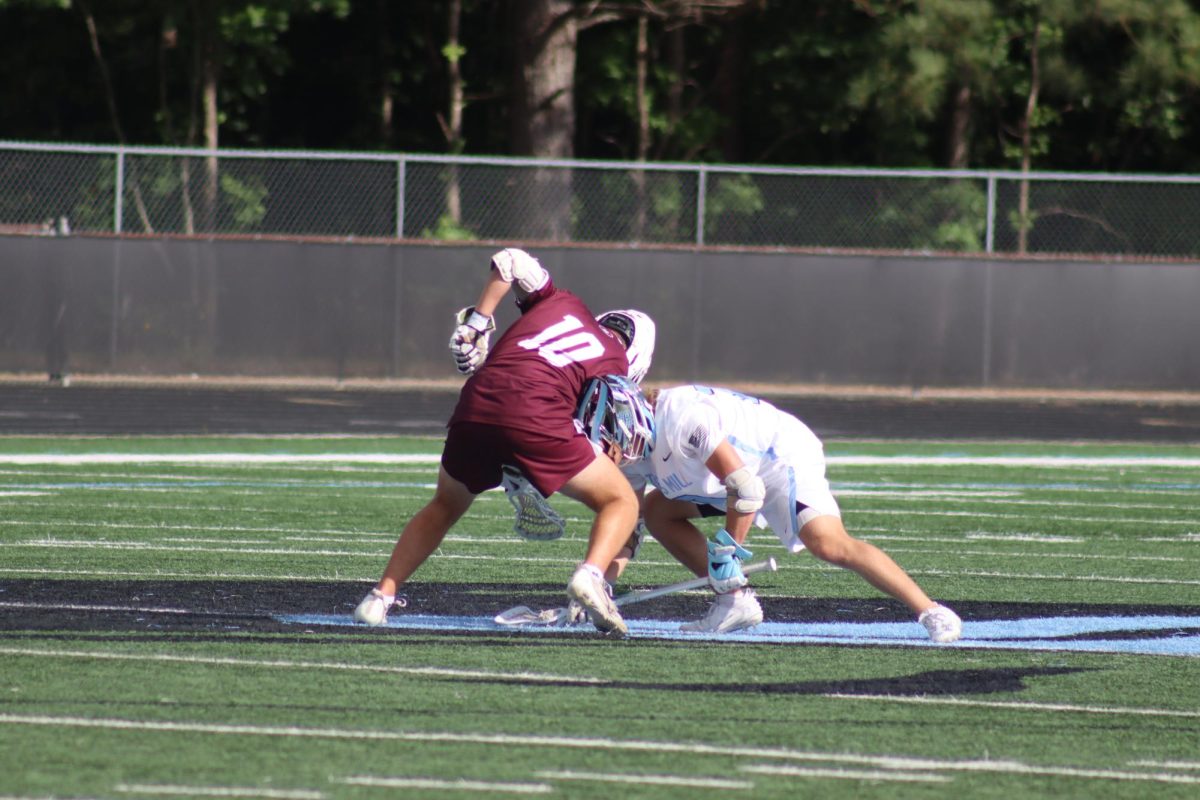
1143	635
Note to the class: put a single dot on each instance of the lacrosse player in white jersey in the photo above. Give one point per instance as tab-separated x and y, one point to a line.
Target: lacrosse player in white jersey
717	451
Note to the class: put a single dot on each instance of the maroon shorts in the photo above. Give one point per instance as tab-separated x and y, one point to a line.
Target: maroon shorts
475	451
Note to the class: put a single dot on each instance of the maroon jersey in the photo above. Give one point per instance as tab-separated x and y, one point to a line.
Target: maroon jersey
535	373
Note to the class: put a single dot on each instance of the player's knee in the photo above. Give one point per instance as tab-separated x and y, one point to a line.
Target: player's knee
827	540
444	510
627	503
831	552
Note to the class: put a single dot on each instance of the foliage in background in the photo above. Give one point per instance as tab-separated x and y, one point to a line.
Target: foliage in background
905	83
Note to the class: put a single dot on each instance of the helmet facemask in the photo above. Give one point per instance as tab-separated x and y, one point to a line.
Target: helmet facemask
616	415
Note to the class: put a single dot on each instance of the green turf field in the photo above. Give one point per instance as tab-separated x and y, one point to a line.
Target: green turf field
174	623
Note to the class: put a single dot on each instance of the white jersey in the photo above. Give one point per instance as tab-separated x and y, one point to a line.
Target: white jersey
691	421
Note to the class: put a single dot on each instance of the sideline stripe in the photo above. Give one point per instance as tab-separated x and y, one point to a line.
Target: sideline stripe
1167	764
522	740
219	791
78	459
247	662
573	679
461	785
1015	768
369	580
649	780
1050	462
847	774
955	701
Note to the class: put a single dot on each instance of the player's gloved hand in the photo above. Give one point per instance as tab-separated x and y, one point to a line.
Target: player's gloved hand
469	343
725	558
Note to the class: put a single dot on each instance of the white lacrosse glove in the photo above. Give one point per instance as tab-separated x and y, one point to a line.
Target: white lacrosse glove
469	344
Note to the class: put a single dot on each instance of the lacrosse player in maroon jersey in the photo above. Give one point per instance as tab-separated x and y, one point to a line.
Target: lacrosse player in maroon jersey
518	409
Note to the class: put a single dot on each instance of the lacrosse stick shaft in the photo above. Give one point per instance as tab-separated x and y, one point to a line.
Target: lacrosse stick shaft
695	583
519	616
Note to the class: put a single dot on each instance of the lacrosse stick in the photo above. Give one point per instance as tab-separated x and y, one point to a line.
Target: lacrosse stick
534	519
524	616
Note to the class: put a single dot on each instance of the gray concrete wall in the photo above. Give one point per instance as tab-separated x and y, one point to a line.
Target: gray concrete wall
348	310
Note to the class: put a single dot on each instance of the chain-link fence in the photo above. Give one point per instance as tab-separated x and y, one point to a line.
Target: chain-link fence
371	195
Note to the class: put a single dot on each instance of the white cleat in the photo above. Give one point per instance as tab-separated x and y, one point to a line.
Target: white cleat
733	611
373	608
590	592
943	625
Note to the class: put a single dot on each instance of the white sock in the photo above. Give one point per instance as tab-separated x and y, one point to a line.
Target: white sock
593	570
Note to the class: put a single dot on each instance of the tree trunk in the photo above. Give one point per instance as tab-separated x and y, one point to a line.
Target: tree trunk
543	110
208	43
642	100
110	97
454	123
387	89
728	91
1024	221
958	146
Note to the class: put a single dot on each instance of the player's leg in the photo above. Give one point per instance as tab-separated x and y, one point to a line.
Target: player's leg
425	531
826	537
601	487
420	537
670	522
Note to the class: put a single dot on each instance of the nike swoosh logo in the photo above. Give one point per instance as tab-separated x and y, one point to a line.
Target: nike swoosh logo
668	456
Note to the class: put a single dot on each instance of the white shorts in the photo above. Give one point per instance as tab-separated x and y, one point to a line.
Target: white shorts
797	490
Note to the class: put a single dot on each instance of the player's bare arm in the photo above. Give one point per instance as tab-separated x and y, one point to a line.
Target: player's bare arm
724	463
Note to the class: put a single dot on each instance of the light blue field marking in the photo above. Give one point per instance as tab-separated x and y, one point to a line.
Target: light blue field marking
1020	634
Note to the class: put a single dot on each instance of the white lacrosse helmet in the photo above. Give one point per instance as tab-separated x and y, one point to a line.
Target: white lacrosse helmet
614	411
636	329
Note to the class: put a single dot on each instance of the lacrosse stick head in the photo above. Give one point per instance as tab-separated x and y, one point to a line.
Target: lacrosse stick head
616	415
534	518
637	331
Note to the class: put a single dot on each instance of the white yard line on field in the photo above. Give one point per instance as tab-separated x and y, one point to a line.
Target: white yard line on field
296	553
534	677
1027	576
509	740
159	526
1034	556
693	782
218	791
1019	503
77	459
1011	706
913	512
459	785
368	580
1047	462
845	774
1012	768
